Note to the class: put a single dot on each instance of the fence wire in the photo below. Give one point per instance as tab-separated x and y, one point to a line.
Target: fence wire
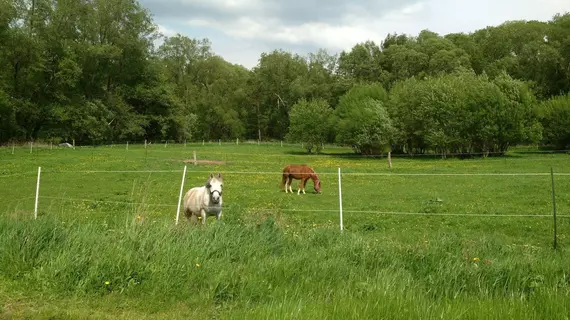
332	210
280	172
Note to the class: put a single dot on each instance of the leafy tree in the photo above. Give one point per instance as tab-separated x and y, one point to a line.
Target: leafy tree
272	92
362	121
310	123
554	114
462	112
363	63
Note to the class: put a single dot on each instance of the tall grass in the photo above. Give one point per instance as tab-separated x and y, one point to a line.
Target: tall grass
263	270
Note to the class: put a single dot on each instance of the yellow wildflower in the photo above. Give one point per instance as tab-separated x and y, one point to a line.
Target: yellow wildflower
475	259
197	265
107	283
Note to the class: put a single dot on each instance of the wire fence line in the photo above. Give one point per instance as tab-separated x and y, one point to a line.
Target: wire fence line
227	158
319	173
332	210
162	145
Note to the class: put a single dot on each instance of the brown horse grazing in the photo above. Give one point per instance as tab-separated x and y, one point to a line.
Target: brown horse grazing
300	172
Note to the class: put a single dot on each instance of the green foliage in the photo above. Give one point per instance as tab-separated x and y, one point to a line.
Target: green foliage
463	112
90	71
361	120
554	115
310	123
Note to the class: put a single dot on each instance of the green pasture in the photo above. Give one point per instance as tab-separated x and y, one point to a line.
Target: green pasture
429	238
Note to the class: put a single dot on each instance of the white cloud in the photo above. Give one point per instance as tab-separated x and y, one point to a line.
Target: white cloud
166	31
416	7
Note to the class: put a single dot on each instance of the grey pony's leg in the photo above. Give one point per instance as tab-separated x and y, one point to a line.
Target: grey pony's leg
219	215
203	215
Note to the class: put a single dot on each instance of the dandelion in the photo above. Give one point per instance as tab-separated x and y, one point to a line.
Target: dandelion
107	283
197	265
139	218
475	259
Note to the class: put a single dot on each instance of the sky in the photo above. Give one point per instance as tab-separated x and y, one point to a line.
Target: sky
240	30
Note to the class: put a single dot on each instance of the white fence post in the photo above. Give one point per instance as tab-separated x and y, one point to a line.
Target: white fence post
13	146
127	146
37	194
31	146
180	196
340	198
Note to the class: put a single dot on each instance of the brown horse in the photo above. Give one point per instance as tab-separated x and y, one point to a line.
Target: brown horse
300	172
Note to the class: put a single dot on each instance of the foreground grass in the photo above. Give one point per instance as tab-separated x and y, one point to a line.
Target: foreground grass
263	270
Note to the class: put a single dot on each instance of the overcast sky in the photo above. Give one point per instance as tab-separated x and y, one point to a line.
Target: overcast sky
240	30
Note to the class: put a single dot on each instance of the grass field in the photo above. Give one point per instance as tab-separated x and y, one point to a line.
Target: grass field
429	238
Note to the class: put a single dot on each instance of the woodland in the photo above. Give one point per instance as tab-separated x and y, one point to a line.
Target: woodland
92	71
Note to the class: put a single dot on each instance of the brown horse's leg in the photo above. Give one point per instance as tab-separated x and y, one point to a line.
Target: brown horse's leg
290	182
304	184
301	186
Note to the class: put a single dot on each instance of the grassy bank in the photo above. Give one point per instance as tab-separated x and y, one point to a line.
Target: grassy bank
262	269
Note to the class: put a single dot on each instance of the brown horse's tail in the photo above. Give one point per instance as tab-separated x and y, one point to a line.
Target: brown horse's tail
285	177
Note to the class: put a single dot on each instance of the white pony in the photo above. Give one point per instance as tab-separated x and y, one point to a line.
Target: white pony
205	200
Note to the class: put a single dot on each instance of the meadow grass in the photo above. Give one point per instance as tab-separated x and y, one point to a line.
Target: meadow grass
105	244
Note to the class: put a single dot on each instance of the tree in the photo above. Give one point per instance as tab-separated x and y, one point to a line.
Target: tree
309	123
554	114
363	63
272	92
362	121
462	112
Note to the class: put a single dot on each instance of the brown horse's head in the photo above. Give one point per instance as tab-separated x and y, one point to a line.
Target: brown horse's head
318	186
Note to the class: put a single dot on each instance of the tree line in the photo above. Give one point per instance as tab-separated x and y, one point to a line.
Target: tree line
90	71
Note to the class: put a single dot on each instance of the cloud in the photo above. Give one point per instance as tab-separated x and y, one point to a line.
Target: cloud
165	31
239	29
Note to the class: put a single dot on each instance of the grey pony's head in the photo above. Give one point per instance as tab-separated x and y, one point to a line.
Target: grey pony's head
214	184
